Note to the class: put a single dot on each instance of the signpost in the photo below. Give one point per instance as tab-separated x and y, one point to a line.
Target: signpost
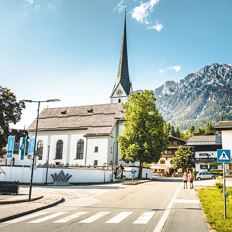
224	156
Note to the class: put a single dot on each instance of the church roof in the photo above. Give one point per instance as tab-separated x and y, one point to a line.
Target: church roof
95	119
123	70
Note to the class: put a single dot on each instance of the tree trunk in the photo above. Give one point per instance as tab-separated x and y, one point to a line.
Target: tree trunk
140	170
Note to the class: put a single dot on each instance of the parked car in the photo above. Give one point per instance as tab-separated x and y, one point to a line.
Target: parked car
205	176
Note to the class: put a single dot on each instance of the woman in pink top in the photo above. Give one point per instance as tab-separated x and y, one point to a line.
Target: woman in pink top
185	179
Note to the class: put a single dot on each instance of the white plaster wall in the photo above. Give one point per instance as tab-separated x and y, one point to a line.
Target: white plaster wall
227	139
101	155
78	175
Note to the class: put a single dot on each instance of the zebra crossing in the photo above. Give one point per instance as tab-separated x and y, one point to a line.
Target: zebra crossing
83	217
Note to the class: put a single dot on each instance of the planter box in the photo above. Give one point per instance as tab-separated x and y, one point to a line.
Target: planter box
8	187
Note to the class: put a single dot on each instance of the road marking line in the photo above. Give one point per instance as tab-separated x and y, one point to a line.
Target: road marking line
47	217
70	217
120	217
95	217
24	218
164	217
144	218
187	201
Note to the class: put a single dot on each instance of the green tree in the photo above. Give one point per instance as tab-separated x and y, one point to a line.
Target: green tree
144	137
209	128
182	158
10	112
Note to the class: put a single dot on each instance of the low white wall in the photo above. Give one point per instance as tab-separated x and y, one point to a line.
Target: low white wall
146	173
23	175
79	175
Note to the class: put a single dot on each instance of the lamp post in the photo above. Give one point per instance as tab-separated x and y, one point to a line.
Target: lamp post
47	166
36	132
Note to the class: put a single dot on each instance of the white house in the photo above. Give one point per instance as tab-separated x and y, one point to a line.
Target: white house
205	148
82	135
225	128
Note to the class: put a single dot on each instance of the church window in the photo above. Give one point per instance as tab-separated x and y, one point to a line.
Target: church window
40	149
59	149
96	149
80	149
162	161
119	100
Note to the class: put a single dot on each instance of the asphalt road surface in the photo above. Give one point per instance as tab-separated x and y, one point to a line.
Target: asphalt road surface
143	207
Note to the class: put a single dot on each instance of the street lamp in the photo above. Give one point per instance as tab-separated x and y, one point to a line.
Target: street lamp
36	131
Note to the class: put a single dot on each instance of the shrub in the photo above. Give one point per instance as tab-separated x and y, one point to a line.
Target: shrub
219	182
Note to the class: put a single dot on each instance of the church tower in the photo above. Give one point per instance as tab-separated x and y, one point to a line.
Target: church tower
122	87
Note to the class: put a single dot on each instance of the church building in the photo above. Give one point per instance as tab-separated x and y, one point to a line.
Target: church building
85	135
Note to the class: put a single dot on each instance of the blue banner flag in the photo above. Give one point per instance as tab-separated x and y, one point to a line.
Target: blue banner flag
31	146
10	146
22	148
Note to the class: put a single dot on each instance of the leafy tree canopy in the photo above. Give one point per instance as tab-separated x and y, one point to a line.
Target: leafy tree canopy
143	138
10	112
182	158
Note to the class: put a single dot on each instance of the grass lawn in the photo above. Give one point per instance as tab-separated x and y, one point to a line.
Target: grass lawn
213	206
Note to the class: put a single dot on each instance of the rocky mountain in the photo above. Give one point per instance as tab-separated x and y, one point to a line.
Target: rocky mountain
199	97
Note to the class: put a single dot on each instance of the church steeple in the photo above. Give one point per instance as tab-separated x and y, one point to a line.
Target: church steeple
122	87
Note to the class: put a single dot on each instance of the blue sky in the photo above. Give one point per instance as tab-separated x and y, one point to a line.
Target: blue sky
69	49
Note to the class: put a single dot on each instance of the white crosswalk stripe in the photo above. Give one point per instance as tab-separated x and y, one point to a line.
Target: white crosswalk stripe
144	218
24	218
71	217
95	217
120	217
47	217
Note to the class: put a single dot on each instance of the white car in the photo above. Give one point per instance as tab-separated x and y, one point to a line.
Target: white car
205	176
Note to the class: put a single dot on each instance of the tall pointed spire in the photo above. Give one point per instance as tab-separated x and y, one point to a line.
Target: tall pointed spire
123	77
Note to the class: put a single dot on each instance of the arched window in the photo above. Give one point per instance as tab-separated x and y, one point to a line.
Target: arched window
162	161
59	149
80	149
40	149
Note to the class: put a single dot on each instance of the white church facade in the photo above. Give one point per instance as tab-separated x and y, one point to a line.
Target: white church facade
85	135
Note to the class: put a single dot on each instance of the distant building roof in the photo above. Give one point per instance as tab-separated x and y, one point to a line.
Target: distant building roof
223	125
95	119
176	138
205	140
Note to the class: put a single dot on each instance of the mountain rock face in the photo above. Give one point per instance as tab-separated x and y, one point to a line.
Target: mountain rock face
199	97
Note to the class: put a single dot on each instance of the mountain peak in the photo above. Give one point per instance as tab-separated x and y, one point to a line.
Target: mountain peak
199	97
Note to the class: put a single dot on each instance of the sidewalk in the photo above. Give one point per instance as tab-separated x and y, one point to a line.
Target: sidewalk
13	206
186	214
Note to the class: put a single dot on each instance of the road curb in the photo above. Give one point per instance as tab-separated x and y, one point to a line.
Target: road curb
20	201
32	211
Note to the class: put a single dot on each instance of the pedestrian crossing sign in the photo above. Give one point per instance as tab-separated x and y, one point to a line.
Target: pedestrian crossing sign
223	156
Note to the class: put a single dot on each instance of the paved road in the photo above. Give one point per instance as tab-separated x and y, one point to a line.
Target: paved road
142	207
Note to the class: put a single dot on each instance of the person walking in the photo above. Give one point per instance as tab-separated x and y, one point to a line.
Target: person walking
185	179
191	179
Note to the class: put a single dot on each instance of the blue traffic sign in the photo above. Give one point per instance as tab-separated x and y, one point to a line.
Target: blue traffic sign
223	156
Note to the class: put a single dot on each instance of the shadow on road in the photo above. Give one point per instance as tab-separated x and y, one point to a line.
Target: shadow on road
167	179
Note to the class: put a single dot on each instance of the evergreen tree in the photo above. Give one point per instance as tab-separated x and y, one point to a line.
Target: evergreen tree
144	136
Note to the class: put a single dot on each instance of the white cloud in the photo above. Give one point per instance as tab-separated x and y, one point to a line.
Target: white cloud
31	2
176	68
158	27
140	13
121	6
